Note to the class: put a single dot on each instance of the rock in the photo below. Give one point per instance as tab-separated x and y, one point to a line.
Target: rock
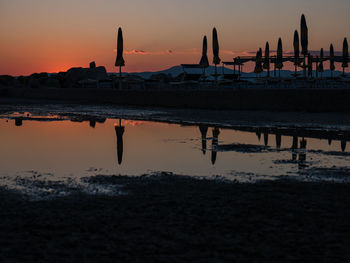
6	80
39	75
92	64
74	75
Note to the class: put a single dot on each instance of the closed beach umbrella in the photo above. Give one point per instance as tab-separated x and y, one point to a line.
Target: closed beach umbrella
279	59
304	36
304	40
120	60
216	59
320	66
331	59
309	65
345	55
267	59
296	46
204	60
258	66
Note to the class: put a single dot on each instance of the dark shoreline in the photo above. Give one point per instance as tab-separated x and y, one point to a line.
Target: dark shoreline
180	219
268	99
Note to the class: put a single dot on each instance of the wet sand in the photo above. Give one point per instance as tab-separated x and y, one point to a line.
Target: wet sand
255	98
168	218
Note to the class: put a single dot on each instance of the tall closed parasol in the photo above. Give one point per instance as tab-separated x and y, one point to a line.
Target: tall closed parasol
120	60
204	62
267	59
279	58
320	66
296	46
216	59
345	55
331	59
304	40
258	66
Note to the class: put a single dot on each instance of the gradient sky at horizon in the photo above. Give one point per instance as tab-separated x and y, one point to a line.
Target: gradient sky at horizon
52	35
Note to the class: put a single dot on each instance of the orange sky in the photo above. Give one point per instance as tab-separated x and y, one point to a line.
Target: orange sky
52	36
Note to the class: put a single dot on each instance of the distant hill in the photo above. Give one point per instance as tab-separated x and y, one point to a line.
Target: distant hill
176	70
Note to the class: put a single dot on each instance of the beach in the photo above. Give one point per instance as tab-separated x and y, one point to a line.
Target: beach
166	217
169	218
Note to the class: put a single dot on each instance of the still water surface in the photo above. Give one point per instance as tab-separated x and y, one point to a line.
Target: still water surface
61	148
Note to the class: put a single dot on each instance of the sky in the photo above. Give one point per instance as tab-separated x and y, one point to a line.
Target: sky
55	35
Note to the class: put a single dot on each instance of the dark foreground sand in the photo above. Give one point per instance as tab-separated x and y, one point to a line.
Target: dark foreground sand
179	219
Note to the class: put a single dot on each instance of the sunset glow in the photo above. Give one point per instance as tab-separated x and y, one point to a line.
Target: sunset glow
52	36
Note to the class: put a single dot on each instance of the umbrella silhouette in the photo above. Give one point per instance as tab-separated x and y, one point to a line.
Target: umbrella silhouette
258	66
216	59
345	55
119	130
266	138
296	51
204	131
204	62
309	65
120	60
266	64
320	66
331	59
214	145
278	140
343	145
304	40
279	59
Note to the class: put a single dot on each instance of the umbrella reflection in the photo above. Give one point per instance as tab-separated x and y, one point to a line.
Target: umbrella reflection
266	138
204	131
343	145
92	123
18	121
302	154
294	147
119	132
214	144
278	140
258	133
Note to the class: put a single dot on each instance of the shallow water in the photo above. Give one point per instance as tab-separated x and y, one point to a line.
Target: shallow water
53	147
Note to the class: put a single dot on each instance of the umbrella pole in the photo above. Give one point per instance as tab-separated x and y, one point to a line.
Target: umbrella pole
304	65
216	80
120	77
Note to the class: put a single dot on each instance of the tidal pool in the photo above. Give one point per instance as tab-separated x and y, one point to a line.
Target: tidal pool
65	148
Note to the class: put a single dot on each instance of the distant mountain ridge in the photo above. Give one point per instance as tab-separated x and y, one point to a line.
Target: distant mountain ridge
177	70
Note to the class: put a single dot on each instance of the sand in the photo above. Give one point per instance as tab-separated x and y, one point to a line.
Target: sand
168	218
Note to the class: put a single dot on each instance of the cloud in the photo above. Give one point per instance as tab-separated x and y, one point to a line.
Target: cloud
161	52
137	51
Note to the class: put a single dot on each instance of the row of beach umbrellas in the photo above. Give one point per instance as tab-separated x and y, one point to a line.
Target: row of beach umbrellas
304	62
307	60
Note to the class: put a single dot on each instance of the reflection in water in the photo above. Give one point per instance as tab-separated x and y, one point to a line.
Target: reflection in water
214	144
302	154
278	140
92	123
294	147
266	138
343	145
119	130
166	147
18	121
258	133
329	142
204	130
